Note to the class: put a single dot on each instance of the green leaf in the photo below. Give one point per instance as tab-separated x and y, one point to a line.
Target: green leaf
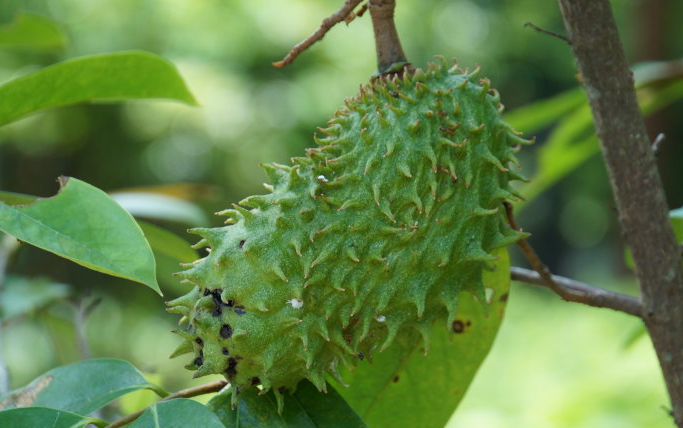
164	242
307	408
82	387
33	32
422	391
42	417
533	117
83	224
24	295
11	198
161	207
178	413
109	77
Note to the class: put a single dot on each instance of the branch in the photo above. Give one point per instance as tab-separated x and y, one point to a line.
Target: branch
568	289
194	391
579	292
387	43
327	24
635	181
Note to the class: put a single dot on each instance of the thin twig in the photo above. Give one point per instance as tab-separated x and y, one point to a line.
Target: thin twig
326	25
657	143
387	43
582	292
194	391
357	14
548	32
569	290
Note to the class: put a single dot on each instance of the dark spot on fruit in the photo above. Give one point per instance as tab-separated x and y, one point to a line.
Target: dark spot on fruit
239	310
469	323
281	390
230	303
199	341
361	356
201	354
255	380
226	331
225	351
394	94
217	312
352	245
232	367
198	361
504	297
395	379
241	244
458	326
207	291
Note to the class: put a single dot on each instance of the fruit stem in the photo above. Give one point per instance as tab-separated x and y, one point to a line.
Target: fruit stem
387	43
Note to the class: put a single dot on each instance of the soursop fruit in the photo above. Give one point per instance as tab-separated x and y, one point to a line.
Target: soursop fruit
372	234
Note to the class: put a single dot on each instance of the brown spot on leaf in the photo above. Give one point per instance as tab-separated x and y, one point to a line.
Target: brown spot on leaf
395	379
458	326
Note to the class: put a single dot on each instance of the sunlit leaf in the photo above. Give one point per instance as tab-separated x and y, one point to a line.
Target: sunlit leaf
34	32
178	413
164	242
108	77
24	295
161	207
83	224
306	408
42	417
82	387
422	391
533	117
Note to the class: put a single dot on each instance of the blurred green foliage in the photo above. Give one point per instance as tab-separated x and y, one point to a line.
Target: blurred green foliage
555	364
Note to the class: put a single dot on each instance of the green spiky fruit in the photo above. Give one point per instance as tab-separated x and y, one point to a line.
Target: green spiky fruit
373	233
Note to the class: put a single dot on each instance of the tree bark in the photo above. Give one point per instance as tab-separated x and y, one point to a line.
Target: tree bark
635	181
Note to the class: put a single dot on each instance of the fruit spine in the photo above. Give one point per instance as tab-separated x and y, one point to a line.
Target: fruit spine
373	233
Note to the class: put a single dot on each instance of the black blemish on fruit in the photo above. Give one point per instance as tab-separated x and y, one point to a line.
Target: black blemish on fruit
239	310
352	245
230	303
207	291
232	367
255	380
198	361
217	312
394	94
225	351
361	356
241	244
458	326
281	390
395	379
201	354
469	323
504	297
226	331
199	341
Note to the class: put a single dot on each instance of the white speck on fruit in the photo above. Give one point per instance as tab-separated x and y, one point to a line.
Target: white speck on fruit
381	318
296	303
322	178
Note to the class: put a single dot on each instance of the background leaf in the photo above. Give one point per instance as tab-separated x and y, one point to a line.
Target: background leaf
108	77
83	224
82	387
178	413
34	32
422	391
23	295
164	242
306	408
161	207
42	417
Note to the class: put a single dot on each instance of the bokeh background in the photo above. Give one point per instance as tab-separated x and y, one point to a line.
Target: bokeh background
554	364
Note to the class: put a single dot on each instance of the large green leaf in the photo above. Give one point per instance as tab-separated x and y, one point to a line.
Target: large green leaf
42	417
108	77
422	391
22	295
178	413
82	387
307	408
533	117
83	224
34	32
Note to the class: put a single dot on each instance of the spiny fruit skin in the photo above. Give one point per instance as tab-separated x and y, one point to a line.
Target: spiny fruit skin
374	233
